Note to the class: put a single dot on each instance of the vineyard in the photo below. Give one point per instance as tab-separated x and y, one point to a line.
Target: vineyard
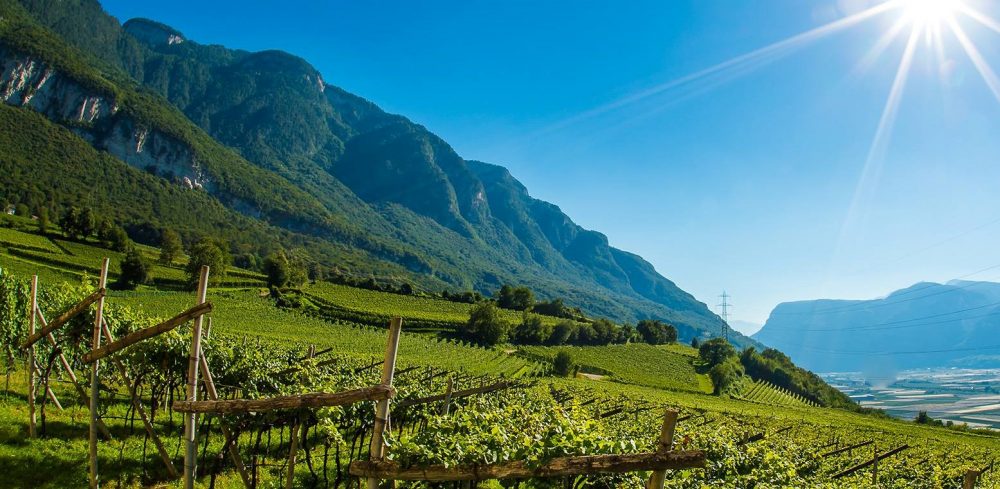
763	392
666	367
374	307
455	406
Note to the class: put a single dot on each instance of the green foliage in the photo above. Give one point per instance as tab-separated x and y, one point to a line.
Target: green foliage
516	298
726	374
716	351
207	252
775	367
43	220
656	332
134	270
485	325
562	364
170	246
532	330
78	223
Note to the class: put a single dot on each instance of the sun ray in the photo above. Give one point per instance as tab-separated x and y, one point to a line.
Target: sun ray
873	163
989	76
754	58
879	47
979	17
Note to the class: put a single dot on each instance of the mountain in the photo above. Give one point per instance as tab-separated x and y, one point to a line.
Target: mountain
299	163
745	327
925	325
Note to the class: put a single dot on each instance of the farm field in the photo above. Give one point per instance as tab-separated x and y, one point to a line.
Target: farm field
384	304
969	396
667	367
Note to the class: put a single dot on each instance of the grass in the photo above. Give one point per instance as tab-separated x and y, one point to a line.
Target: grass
665	367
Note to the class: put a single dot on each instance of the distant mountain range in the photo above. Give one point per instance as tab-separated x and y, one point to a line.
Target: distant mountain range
260	150
925	325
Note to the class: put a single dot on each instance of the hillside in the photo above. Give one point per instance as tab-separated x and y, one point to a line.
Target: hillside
358	188
945	323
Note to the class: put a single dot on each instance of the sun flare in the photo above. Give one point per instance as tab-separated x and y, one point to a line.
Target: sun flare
930	12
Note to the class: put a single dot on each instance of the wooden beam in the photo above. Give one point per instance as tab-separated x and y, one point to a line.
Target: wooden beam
84	399
64	318
299	401
847	448
191	419
458	394
146	333
557	467
30	360
870	462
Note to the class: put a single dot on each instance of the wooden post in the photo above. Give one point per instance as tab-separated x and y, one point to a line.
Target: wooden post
447	397
31	358
48	391
191	419
293	448
94	370
664	445
875	465
970	478
377	448
164	454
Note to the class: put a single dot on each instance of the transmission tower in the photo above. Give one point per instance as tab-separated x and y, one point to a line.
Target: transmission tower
725	314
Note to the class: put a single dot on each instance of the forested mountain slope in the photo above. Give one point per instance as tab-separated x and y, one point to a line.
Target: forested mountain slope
266	136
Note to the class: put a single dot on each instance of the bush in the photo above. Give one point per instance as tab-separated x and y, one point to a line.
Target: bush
563	364
170	246
134	269
532	330
715	351
726	374
656	332
485	326
516	298
207	252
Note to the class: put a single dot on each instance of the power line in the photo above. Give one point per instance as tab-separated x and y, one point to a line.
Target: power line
878	326
891	353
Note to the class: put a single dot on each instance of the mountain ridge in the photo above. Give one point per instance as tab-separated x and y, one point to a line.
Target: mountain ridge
352	159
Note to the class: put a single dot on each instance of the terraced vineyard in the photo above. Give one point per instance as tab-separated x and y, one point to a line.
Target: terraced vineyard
63	258
246	313
763	392
666	367
374	307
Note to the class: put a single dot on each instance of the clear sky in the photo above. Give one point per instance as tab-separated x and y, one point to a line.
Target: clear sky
759	179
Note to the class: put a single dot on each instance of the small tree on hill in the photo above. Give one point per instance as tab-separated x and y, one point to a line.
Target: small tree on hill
278	269
485	326
726	374
211	253
170	246
562	364
135	270
516	298
656	332
43	220
716	351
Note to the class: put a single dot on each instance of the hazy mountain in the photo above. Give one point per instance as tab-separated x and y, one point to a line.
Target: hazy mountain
304	164
746	327
925	325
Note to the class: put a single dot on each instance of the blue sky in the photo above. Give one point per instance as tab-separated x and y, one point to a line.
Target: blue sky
743	182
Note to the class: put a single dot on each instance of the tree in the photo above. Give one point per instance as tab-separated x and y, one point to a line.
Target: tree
561	333
725	374
555	307
277	269
43	220
114	237
695	343
532	330
516	298
485	326
605	332
86	222
135	270
715	351
207	252
21	210
68	222
656	332
170	246
562	364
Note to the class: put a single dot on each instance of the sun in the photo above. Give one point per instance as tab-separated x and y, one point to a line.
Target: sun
930	12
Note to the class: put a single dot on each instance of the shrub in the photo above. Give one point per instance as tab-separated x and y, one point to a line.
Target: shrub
485	326
562	364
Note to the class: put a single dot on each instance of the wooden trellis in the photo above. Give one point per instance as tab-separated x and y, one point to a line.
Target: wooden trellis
97	353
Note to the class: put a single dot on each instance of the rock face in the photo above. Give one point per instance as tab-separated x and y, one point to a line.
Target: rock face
925	325
153	32
29	82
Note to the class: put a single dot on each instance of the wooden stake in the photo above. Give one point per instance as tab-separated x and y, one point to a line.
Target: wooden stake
663	446
875	465
377	448
447	396
296	401
191	419
48	391
293	448
94	381
64	318
30	361
970	479
140	409
234	450
84	398
144	334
